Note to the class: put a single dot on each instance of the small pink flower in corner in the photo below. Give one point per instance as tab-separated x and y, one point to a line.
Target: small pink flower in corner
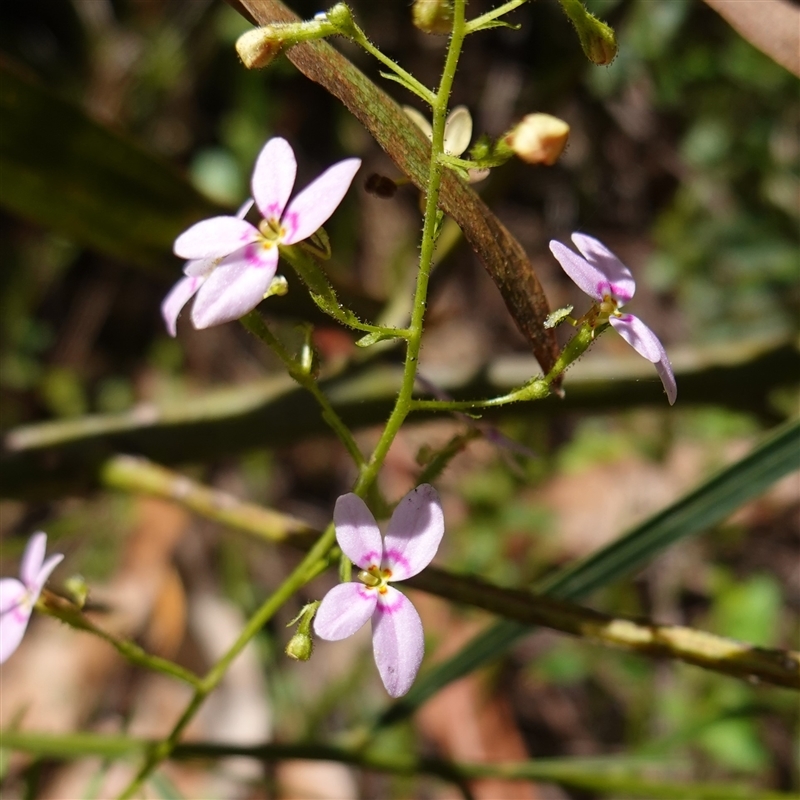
18	597
609	282
412	539
232	263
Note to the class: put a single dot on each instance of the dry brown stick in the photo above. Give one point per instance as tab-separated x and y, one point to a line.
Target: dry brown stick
716	653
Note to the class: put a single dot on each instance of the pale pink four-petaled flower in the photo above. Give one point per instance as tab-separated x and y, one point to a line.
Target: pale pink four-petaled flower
607	280
18	597
232	263
412	539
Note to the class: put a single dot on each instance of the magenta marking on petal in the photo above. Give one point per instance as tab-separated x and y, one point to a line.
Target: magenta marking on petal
252	254
372	559
385	607
366	592
620	295
289	224
21	612
396	558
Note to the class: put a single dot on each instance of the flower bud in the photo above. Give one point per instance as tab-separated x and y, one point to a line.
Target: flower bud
597	39
538	138
259	47
433	16
279	287
300	646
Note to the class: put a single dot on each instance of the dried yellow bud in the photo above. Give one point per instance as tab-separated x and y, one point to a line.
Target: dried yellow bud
257	48
538	138
433	16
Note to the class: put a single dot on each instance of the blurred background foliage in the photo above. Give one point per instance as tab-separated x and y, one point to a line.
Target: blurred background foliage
684	158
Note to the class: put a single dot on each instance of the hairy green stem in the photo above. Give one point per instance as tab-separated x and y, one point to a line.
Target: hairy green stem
351	30
62	609
254	323
403	406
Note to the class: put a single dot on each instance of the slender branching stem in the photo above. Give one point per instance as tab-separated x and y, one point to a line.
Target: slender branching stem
254	323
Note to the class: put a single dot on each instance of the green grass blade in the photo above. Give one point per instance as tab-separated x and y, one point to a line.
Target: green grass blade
66	172
709	504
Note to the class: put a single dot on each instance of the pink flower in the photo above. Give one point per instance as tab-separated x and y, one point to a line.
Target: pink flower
18	597
411	542
232	263
609	282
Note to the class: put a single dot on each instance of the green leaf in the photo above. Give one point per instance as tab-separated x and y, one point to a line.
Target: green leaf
697	511
63	171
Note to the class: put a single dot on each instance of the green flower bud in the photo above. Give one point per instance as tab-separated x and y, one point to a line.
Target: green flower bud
433	16
597	39
300	647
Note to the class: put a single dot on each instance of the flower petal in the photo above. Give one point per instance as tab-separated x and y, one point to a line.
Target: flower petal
397	641
649	346
344	610
179	296
312	207
457	131
414	533
14	616
419	120
202	266
12	593
587	277
214	238
236	286
44	574
199	266
357	532
273	177
618	281
638	336
664	370
32	559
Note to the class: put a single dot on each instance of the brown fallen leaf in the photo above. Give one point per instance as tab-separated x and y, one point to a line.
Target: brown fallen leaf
773	26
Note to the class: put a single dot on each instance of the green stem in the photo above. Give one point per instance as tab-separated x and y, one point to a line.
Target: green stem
254	323
404	400
66	611
608	775
353	32
536	389
297	579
